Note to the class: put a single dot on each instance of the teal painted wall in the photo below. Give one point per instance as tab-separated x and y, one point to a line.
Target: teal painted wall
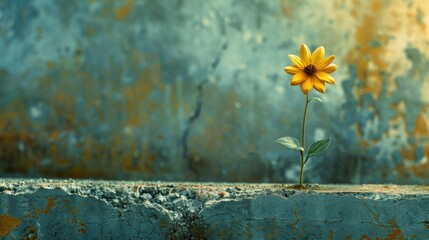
192	90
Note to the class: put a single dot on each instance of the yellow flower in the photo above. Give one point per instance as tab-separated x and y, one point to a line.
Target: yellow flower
311	70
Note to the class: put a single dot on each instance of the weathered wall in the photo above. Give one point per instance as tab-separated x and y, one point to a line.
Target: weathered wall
195	90
142	210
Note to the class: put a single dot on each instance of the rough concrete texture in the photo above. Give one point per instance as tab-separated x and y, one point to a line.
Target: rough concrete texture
69	209
195	90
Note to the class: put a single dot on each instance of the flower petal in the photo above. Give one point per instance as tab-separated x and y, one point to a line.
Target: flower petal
307	85
305	54
324	77
296	60
319	85
330	68
298	78
292	70
318	55
325	62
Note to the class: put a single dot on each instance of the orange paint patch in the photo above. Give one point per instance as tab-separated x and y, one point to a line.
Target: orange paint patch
7	224
123	11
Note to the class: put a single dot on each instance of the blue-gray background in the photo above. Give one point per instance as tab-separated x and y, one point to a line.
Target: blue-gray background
195	90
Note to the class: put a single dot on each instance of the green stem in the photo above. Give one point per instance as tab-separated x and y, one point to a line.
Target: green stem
301	175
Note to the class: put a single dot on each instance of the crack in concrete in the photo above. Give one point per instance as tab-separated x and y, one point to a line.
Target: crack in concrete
181	213
200	91
134	228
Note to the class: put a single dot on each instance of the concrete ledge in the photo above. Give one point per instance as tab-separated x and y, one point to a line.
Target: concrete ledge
58	209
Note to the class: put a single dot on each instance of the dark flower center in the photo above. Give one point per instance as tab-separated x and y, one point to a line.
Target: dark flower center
310	69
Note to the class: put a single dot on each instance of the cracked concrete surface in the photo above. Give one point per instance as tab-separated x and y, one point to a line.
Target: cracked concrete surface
71	209
200	88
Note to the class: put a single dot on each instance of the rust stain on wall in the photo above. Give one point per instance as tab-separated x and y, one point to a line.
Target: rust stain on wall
331	235
121	152
30	233
287	8
82	172
365	55
51	204
46	210
421	127
396	233
7	224
97	117
297	218
74	211
409	153
123	11
82	228
422	170
365	237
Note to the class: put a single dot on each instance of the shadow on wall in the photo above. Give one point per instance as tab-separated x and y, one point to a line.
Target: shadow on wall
182	90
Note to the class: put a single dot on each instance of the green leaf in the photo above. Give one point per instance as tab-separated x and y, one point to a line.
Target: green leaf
290	143
318	147
315	99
